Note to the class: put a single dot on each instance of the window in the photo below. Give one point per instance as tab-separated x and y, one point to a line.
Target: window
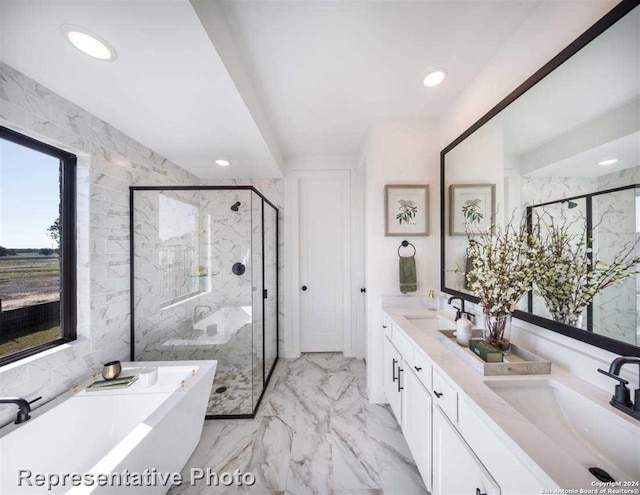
37	246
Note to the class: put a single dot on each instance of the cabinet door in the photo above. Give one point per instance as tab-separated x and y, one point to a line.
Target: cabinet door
456	469
416	422
391	379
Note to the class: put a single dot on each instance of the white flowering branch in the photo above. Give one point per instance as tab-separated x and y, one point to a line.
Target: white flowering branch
571	277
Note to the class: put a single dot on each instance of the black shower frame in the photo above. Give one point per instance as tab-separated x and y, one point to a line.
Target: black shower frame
132	190
588	227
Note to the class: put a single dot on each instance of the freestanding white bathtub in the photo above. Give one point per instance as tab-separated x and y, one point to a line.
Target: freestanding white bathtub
105	432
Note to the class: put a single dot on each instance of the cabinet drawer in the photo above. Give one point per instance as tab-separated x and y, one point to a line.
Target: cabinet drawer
496	456
403	344
422	367
445	395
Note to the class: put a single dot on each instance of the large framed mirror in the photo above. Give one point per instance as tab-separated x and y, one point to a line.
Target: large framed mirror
565	146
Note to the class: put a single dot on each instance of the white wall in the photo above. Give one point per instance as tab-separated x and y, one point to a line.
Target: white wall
402	151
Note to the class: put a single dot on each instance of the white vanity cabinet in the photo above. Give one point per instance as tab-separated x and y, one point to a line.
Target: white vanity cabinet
456	452
456	469
392	367
416	420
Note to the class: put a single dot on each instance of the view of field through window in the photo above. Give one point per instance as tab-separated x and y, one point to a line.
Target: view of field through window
29	248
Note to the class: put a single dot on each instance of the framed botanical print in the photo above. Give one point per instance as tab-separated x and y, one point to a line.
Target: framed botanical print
472	208
406	210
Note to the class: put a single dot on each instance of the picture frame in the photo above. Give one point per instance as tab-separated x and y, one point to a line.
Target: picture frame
406	210
471	205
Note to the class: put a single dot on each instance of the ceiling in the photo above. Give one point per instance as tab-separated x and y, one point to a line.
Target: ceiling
585	164
326	70
168	88
252	81
603	76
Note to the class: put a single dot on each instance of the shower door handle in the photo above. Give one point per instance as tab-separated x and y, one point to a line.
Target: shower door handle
304	287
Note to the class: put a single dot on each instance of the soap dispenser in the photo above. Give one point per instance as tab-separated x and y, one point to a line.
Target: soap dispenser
463	330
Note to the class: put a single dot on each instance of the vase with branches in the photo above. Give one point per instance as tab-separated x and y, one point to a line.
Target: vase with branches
572	275
505	262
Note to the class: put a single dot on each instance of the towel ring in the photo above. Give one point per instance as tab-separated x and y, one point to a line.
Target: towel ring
406	244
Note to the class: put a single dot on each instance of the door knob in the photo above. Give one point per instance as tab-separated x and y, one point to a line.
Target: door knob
304	287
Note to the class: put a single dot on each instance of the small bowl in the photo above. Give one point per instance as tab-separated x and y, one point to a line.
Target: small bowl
111	370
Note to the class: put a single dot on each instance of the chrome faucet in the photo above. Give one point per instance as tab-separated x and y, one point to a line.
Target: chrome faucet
622	397
24	407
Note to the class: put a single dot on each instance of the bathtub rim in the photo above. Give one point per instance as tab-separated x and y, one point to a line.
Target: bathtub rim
204	367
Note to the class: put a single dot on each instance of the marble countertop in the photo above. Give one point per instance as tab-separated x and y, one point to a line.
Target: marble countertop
533	448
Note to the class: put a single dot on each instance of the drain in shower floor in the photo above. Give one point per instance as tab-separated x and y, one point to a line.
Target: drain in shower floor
220	390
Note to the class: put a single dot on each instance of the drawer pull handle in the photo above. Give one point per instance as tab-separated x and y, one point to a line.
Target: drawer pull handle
384	326
478	492
418	368
400	370
394	370
438	394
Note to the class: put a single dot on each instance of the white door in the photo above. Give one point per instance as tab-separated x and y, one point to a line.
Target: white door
456	469
392	386
416	422
325	265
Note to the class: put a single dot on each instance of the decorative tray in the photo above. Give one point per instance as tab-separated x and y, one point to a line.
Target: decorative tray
518	362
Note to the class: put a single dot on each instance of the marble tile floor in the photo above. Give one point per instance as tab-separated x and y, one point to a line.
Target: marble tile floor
237	399
314	433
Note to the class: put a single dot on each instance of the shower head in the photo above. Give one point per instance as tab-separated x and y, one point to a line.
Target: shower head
572	205
235	206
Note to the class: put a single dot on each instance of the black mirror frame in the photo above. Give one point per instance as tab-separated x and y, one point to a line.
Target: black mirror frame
613	16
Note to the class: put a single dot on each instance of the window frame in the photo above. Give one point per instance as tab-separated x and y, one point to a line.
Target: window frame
68	279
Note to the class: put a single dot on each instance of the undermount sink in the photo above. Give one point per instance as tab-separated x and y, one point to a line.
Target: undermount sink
430	322
587	431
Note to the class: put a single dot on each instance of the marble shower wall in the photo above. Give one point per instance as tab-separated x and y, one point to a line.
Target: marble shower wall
184	280
615	309
108	163
273	190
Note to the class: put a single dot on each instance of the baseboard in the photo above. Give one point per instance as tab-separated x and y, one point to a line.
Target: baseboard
378	397
290	355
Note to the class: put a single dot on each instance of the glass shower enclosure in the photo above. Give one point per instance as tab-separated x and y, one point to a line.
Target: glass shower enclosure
204	285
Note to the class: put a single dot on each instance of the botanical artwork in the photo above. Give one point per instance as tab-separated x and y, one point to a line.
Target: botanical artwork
472	207
407	210
472	211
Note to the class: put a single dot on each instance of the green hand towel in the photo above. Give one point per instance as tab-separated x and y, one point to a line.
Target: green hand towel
408	277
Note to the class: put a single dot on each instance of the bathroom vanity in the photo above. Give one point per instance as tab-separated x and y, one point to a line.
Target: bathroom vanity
476	434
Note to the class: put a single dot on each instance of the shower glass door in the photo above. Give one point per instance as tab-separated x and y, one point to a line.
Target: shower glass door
200	288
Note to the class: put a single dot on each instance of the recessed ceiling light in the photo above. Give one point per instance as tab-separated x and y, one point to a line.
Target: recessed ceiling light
608	161
223	163
88	43
434	78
